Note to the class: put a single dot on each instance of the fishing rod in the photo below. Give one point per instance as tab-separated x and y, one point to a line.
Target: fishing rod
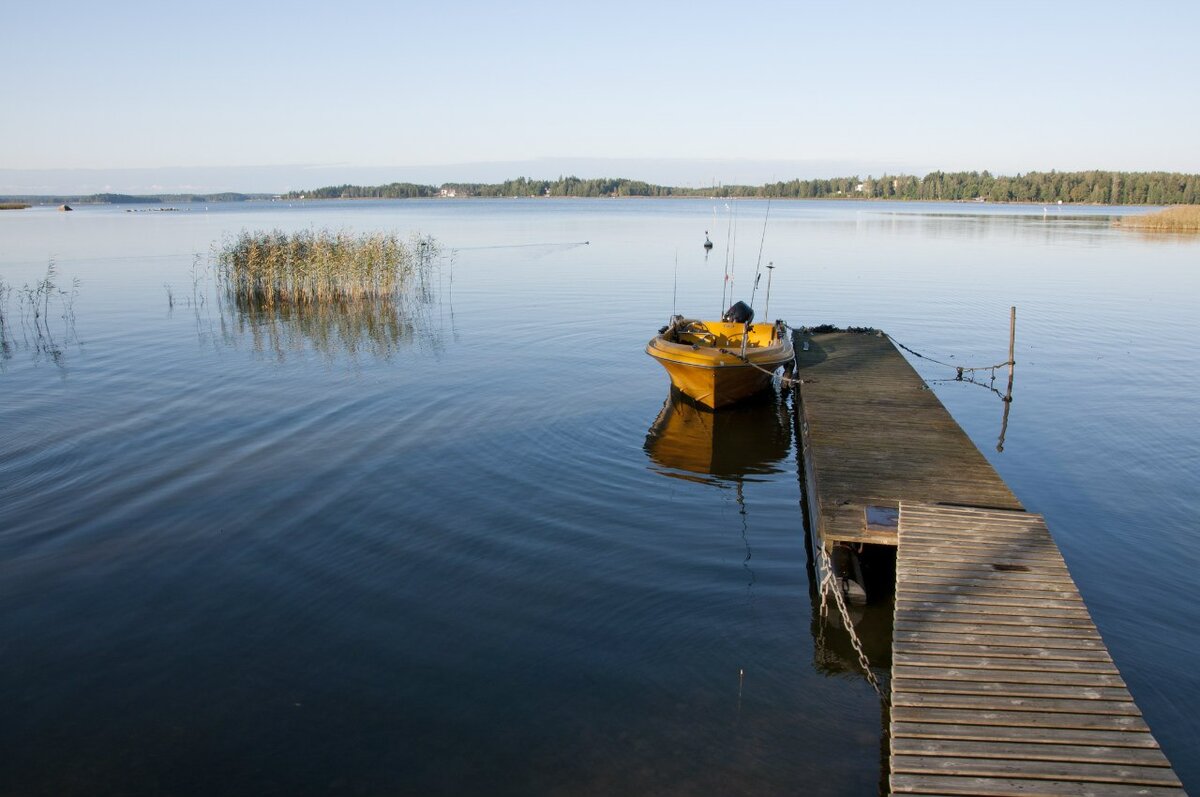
675	286
758	265
767	306
725	283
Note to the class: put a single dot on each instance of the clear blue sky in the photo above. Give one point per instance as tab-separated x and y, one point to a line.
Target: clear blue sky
683	91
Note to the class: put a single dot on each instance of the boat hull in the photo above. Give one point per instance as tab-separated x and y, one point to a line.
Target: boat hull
714	376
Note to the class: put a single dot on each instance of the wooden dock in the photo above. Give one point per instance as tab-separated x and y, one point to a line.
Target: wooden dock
873	433
1001	684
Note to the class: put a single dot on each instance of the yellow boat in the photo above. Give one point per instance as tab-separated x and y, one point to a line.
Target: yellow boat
718	363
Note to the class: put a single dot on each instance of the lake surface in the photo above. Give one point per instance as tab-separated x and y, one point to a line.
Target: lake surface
470	545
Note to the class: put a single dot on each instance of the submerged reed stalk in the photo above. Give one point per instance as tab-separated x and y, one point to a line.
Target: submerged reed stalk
1181	218
320	266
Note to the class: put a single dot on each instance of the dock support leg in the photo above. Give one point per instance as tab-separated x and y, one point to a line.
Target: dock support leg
847	572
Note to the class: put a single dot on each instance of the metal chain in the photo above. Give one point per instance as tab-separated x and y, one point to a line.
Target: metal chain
829	584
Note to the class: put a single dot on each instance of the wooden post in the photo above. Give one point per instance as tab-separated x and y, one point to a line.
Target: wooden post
1012	341
1004	420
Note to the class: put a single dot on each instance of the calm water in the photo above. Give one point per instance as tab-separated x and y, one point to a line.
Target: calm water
471	547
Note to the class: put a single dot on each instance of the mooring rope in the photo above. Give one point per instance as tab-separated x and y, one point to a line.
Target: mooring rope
787	381
959	369
790	381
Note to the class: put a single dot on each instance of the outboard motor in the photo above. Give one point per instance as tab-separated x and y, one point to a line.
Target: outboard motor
739	313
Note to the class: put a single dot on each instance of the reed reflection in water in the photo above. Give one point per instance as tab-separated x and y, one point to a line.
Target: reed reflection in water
366	327
369	327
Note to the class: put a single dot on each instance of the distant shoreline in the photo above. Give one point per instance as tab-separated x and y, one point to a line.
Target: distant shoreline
1033	188
84	201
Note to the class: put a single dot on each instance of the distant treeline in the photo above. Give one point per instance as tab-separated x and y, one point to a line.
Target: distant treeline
131	199
1096	187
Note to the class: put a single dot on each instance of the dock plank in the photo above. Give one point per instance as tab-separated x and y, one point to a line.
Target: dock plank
1029	751
1084	737
1089	772
1011	787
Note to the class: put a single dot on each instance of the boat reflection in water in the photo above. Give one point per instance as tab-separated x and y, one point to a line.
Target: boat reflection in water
735	445
745	443
740	444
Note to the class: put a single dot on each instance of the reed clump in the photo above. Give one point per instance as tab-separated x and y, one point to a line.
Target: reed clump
1181	218
13	205
320	266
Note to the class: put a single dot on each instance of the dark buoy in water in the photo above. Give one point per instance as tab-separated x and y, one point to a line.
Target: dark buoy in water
707	242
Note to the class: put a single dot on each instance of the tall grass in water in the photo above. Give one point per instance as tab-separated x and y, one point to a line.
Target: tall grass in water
327	292
36	303
1181	218
5	345
319	266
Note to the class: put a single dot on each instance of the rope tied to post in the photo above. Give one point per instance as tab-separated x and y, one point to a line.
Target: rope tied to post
786	381
962	373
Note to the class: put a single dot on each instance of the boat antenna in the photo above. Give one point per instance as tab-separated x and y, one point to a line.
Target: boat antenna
758	265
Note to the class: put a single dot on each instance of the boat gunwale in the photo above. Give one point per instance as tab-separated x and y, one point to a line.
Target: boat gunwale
733	361
779	352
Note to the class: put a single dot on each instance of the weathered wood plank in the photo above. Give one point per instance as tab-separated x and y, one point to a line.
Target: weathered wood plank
1006	703
907	604
998	537
1107	774
1012	787
1019	719
1000	651
1038	770
940	637
1030	751
1073	691
909	594
1031	580
1024	620
952	582
923	659
1010	562
1005	676
992	590
939	532
923	555
998	629
1088	737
